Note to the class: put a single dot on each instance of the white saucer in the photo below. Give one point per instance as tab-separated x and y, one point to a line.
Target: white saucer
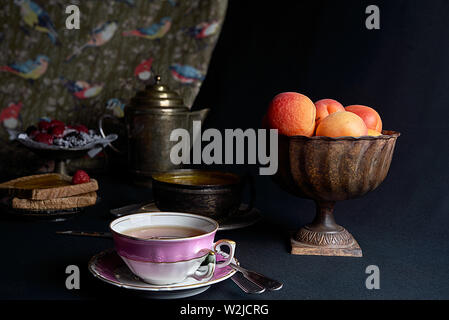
110	268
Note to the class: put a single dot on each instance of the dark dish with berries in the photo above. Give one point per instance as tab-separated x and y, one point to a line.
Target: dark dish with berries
57	133
54	140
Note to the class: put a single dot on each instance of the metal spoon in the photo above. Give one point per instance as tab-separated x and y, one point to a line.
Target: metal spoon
86	234
129	209
246	285
258	279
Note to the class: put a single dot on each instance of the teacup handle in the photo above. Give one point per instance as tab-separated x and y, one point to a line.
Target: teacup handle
229	256
207	269
100	127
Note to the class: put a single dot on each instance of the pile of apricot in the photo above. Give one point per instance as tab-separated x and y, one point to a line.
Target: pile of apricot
294	114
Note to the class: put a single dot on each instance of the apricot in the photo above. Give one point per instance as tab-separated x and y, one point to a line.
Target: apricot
292	113
326	107
369	116
373	133
342	124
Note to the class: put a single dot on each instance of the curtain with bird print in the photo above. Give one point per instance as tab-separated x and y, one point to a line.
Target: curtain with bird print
48	71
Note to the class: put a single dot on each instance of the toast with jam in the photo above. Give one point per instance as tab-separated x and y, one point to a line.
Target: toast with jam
46	187
79	201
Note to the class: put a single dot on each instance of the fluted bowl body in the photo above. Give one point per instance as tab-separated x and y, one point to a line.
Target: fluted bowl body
334	169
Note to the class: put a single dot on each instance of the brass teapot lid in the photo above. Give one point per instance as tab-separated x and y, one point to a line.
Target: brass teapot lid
157	98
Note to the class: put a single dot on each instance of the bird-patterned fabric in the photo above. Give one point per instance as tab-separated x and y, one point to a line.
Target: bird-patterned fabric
48	71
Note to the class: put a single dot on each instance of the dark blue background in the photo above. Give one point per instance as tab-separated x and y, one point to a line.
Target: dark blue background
321	49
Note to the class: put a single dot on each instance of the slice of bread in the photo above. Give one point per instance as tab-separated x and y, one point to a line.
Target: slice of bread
47	186
79	201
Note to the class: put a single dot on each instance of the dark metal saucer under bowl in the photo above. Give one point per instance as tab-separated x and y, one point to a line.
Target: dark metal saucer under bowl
209	193
37	215
327	170
52	215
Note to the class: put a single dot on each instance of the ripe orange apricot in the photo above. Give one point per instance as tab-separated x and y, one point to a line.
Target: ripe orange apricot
373	133
292	113
342	124
325	107
369	116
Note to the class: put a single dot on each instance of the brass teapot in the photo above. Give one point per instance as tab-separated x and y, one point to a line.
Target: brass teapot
150	117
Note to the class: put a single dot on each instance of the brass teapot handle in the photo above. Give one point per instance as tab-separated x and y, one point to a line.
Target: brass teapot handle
100	128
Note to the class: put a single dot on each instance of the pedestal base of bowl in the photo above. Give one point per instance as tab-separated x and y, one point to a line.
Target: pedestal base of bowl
324	237
329	244
326	170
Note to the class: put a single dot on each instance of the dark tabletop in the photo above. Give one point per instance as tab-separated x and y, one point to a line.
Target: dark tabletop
322	49
411	255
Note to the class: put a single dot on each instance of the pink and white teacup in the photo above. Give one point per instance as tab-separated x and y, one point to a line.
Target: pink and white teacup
165	260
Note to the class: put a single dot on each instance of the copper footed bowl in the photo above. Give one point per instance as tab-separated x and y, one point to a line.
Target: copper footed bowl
327	170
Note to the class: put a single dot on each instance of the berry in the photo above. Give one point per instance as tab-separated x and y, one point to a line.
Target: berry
81	128
33	134
57	123
57	131
44	125
32	131
80	176
44	138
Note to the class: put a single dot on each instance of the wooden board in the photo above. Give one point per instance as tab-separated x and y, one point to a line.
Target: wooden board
299	248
